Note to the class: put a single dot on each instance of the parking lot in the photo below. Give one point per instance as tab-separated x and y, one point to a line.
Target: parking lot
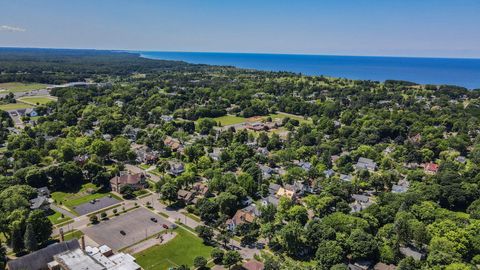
101	203
137	225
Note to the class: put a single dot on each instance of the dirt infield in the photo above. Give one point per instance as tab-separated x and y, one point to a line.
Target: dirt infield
136	225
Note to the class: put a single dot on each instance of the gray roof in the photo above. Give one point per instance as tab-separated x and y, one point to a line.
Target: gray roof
360	198
345	177
409	252
273	188
38	202
366	163
270	200
399	189
39	259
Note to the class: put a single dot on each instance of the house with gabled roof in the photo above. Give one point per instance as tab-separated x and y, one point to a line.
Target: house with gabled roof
430	168
366	164
242	216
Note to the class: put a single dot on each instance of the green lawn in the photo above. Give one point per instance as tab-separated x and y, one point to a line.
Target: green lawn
56	218
180	250
36	100
229	120
15	106
72	235
20	87
71	200
297	117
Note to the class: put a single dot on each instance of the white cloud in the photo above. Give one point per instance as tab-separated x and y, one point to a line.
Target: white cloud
9	28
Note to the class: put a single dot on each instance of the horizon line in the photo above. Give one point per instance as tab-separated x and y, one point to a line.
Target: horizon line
233	52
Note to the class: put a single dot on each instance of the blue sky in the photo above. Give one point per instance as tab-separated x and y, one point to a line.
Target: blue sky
445	28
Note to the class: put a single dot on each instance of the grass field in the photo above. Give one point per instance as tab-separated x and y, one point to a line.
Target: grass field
56	218
71	200
180	250
291	116
20	87
72	235
15	106
36	100
229	120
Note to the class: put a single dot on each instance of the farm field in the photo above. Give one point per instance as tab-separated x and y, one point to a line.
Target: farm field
178	251
20	87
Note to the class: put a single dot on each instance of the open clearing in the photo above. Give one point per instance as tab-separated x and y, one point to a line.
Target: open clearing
20	87
57	218
180	250
229	120
36	100
15	106
136	224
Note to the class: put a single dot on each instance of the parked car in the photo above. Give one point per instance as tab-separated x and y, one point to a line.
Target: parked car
153	219
122	232
165	226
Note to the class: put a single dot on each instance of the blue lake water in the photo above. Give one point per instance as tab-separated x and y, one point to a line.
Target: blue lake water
461	72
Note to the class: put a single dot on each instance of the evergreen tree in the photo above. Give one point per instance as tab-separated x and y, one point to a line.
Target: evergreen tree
29	239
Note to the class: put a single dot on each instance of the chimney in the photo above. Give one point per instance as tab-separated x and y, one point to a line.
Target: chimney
82	242
62	236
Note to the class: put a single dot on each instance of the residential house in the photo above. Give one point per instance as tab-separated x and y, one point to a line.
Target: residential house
329	173
242	216
173	144
401	187
266	171
366	164
137	180
201	189
270	199
461	159
41	202
185	196
273	188
360	265
297	187
415	139
176	168
81	159
334	158
263	151
346	178
411	252
145	154
216	153
166	118
283	192
430	168
360	203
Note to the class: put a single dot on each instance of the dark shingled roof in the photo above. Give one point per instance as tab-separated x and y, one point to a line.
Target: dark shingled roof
39	259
